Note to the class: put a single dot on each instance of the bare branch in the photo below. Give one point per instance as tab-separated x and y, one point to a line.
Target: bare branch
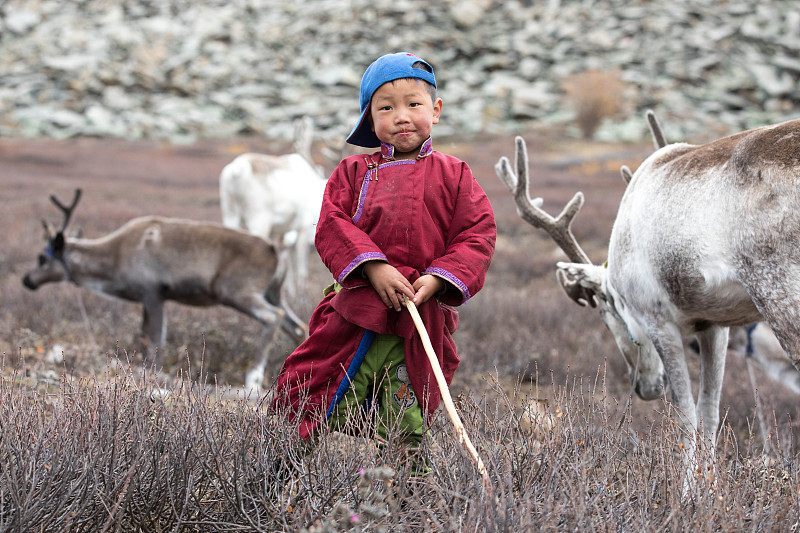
559	228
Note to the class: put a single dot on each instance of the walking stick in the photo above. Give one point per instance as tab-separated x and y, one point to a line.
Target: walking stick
446	398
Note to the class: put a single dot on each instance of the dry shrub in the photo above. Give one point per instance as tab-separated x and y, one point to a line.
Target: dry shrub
117	454
86	445
594	95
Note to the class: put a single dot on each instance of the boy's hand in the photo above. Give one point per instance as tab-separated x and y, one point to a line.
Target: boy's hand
425	287
389	283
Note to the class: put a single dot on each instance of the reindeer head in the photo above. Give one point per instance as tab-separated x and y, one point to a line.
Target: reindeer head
584	282
52	266
646	370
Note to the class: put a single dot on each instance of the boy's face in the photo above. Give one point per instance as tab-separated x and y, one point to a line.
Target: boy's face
403	115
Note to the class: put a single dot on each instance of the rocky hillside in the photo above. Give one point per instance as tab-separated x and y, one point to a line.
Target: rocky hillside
180	69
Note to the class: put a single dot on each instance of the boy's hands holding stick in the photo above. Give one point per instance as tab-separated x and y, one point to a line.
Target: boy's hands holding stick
391	285
396	291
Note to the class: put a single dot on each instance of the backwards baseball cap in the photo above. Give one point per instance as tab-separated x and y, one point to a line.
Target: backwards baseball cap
384	69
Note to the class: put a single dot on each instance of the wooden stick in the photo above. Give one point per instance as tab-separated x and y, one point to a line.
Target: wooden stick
446	398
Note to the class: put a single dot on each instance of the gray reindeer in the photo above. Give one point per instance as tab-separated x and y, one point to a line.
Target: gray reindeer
154	259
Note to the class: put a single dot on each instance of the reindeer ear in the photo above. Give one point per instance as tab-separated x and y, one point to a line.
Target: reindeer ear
57	244
582	282
590	276
579	294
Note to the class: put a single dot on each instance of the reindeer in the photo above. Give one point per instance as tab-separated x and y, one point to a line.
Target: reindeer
704	239
154	259
276	197
756	343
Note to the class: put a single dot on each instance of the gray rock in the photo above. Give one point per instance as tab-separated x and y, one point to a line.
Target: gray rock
181	71
21	21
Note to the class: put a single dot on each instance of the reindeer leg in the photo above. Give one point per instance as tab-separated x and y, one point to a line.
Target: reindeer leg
293	258
154	329
270	317
293	326
768	354
303	244
254	380
273	318
669	344
713	350
713	347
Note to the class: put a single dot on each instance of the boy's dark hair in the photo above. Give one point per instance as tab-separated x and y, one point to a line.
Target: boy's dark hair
431	88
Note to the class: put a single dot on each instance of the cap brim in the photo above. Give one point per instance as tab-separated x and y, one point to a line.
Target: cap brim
362	134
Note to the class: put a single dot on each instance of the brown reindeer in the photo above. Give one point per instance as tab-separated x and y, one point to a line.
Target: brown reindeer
704	239
155	259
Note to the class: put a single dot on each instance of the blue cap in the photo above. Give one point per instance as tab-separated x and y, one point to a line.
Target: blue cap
386	68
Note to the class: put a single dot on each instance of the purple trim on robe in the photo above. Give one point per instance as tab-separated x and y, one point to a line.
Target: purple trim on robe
362	196
399	162
427	148
357	261
451	278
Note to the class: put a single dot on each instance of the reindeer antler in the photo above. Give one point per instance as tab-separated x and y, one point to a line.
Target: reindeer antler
626	173
47	233
658	140
559	228
655	130
66	210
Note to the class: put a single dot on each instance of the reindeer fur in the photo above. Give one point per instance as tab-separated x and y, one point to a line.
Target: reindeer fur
155	259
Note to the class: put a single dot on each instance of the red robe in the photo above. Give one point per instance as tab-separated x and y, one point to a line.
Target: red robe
423	216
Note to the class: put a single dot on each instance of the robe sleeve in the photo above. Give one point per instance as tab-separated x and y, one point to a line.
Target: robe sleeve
470	243
342	246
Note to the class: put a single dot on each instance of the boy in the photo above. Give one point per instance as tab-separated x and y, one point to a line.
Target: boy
405	221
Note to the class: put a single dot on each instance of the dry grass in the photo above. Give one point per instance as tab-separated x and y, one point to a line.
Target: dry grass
114	454
88	444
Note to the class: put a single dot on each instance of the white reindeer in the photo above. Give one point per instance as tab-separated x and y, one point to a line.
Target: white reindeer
154	259
277	197
704	239
756	343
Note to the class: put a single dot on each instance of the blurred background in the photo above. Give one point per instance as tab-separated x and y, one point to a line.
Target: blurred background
182	70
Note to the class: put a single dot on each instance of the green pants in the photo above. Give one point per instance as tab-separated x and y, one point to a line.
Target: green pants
380	393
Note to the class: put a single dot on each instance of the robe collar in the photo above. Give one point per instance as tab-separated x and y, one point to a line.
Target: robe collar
387	150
